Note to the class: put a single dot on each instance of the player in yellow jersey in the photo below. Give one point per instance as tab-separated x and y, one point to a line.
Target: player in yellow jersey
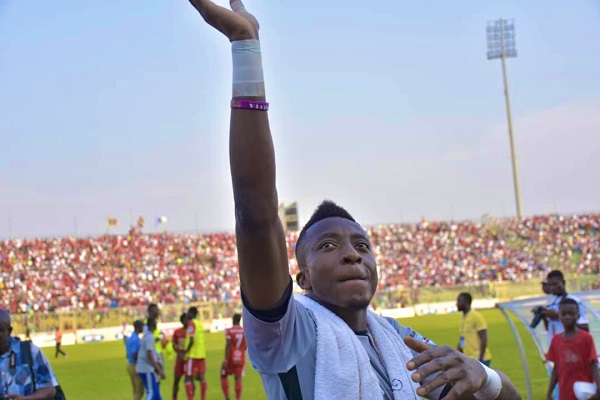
195	355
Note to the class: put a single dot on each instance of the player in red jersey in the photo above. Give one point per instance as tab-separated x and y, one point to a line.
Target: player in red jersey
235	357
178	341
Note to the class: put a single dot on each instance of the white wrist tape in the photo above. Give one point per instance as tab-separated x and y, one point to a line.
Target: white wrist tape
248	79
492	387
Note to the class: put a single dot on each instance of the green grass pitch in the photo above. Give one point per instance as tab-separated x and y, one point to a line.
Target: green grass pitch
98	371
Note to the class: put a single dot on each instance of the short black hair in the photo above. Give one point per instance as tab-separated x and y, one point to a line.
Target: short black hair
237	318
566	301
183	318
192	312
556	274
138	324
151	306
327	209
467	297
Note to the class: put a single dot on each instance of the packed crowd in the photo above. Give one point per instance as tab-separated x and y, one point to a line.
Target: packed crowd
115	271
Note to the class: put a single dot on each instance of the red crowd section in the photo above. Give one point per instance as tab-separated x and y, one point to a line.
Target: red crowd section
96	273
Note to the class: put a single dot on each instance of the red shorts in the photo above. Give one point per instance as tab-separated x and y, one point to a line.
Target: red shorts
179	367
194	366
237	370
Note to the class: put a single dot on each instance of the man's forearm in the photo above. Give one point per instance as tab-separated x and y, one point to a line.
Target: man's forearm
190	344
509	391
41	394
595	373
252	162
553	382
153	361
227	348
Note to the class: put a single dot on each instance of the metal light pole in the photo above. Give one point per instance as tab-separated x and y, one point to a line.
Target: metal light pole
501	44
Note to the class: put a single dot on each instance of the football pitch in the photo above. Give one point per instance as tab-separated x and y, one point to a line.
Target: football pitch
98	371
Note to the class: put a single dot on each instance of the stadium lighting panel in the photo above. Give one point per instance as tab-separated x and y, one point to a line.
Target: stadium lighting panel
501	39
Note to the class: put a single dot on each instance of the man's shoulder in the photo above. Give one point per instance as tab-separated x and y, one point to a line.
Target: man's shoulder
15	343
476	314
584	335
573	297
133	338
148	336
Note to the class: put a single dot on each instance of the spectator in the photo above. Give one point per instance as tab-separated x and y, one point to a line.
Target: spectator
15	372
99	273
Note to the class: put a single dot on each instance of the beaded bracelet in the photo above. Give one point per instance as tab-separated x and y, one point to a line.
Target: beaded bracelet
250	105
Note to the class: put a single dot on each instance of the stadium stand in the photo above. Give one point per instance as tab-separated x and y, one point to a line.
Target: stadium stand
113	271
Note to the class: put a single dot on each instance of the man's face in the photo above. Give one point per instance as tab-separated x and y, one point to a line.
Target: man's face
5	331
154	312
556	286
461	303
340	270
545	288
568	314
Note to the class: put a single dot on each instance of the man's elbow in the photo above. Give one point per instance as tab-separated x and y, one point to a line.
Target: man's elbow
256	219
255	213
47	392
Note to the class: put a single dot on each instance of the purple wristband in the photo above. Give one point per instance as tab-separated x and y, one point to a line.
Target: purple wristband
250	105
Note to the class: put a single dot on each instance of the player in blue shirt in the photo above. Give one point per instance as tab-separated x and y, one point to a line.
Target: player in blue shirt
132	348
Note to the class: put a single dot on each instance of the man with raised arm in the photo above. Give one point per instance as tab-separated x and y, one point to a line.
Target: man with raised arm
324	344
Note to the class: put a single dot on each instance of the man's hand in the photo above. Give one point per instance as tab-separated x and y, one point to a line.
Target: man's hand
236	24
547	313
464	373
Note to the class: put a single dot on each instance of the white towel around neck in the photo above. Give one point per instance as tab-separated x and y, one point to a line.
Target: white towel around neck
343	370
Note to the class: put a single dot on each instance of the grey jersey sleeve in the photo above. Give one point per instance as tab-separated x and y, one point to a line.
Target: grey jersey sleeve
276	346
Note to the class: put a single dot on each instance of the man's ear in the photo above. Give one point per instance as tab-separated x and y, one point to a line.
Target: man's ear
303	279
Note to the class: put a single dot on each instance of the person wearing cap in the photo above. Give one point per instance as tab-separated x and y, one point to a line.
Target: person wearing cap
16	381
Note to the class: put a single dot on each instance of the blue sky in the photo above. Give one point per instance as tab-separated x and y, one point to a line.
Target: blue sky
389	108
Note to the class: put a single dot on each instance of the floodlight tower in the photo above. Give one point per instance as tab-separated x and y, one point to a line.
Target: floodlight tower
501	44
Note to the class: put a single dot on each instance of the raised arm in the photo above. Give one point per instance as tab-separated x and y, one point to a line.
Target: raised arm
261	244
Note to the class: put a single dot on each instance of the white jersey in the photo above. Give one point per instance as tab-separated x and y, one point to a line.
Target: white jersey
554	325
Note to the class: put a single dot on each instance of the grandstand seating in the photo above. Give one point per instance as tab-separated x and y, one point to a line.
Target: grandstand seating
111	271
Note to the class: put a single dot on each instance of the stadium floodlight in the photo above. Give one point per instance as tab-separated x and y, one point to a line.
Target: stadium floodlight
501	44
